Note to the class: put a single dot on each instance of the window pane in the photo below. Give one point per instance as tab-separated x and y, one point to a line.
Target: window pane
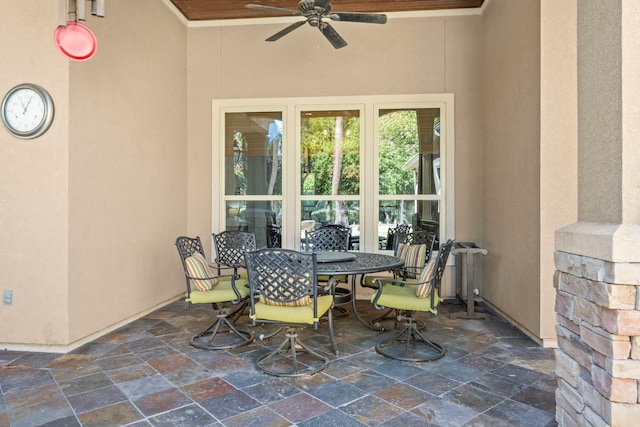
409	148
419	215
324	212
254	216
253	153
330	152
317	213
428	218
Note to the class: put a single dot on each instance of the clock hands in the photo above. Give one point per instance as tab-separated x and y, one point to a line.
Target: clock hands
26	106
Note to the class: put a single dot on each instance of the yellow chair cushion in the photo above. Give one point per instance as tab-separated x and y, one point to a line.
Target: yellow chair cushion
197	267
404	298
305	300
301	315
223	292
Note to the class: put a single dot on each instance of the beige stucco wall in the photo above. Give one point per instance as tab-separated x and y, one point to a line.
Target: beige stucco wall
127	165
91	209
128	170
511	167
406	56
558	143
34	184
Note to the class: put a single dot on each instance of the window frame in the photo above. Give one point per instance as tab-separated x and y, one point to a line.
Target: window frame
369	196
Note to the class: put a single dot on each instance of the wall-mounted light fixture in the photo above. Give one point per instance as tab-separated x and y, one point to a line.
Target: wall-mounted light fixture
74	39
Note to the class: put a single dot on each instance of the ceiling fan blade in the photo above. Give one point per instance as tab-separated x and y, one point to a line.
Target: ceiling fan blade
332	35
286	31
273	9
368	18
324	4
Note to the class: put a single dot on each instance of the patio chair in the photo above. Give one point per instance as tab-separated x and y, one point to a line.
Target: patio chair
230	247
415	250
221	291
332	237
335	238
392	232
284	291
407	297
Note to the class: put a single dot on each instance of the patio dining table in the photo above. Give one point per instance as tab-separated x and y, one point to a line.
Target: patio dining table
354	264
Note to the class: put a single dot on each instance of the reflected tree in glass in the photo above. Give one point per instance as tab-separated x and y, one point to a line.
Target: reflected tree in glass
330	159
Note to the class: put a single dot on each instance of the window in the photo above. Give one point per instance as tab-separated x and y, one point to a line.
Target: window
409	189
329	146
253	172
289	165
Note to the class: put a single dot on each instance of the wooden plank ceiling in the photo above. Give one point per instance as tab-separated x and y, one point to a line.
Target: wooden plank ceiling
205	10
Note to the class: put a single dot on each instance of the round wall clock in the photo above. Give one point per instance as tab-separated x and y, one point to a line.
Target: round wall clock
27	110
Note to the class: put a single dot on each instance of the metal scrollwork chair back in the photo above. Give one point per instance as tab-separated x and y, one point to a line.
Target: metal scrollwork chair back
335	238
230	247
331	237
392	232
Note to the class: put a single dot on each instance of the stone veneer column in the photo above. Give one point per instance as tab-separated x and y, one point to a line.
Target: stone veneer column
598	258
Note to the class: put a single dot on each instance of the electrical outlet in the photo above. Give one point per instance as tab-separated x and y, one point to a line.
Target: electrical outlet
7	297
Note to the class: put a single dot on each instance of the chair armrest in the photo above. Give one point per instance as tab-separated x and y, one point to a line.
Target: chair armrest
330	286
221	276
403	272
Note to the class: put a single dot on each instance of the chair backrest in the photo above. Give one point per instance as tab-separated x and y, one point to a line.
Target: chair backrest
434	269
231	245
416	238
441	263
281	276
392	232
271	217
331	237
187	246
430	225
274	236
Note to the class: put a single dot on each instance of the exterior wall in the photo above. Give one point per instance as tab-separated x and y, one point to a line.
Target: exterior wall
511	168
127	155
127	164
34	184
93	206
407	55
203	65
558	144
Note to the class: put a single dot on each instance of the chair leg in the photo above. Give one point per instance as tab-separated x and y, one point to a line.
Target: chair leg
291	347
206	339
239	311
388	315
410	340
332	339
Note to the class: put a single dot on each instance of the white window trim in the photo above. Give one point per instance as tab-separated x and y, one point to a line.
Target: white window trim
369	105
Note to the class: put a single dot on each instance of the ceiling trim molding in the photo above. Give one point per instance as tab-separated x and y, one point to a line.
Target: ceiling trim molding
176	12
291	19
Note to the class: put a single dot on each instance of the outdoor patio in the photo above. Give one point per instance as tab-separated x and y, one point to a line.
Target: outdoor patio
146	373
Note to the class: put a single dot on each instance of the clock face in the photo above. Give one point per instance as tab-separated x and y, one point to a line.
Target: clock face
27	111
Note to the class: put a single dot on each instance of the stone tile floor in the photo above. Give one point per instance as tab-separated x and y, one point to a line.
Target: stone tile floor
147	374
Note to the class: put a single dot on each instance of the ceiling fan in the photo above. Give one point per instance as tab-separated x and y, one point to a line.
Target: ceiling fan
315	12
